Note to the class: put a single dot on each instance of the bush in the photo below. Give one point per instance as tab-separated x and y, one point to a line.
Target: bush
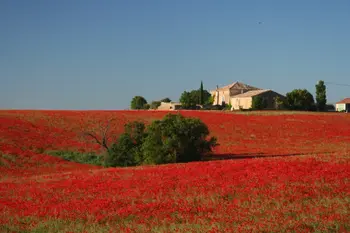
176	139
228	107
126	151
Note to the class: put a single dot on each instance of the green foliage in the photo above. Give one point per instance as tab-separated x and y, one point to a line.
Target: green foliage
187	100
166	100
259	103
176	139
155	104
138	102
211	100
192	98
321	98
201	94
279	103
173	139
300	99
126	151
122	153
86	158
146	106
226	106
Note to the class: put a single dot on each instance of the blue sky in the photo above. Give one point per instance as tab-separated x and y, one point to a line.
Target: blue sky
87	54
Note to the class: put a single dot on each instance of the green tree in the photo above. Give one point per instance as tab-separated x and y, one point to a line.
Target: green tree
155	104
321	98
279	103
138	102
166	100
192	98
187	100
300	99
176	139
201	94
196	96
259	103
211	100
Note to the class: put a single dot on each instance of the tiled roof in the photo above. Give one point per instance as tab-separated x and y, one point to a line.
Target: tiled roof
250	93
238	85
344	101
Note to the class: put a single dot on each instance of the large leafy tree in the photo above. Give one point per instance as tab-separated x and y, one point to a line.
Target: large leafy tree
300	99
194	97
139	102
321	98
188	100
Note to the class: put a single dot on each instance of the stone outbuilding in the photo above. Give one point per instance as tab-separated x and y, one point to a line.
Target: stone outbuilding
169	106
245	100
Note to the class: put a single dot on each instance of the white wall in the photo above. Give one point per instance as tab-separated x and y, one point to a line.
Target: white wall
340	107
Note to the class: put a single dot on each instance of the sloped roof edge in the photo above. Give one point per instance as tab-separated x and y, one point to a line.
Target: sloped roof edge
344	101
251	93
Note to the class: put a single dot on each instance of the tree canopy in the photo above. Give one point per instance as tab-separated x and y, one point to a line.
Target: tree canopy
139	102
194	97
176	139
154	104
166	100
321	98
300	99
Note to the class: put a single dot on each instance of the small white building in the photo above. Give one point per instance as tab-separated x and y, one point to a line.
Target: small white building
343	105
169	106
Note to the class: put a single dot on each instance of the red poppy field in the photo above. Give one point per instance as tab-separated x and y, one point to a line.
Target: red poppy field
272	172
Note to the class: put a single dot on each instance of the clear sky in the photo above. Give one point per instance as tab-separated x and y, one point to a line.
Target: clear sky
86	54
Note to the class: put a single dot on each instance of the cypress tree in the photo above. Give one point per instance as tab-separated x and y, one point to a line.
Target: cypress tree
201	94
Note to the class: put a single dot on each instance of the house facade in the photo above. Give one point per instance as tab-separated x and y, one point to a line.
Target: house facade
223	94
245	100
241	95
169	106
343	105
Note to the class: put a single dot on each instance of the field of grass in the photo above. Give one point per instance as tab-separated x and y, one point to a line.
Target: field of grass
273	172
